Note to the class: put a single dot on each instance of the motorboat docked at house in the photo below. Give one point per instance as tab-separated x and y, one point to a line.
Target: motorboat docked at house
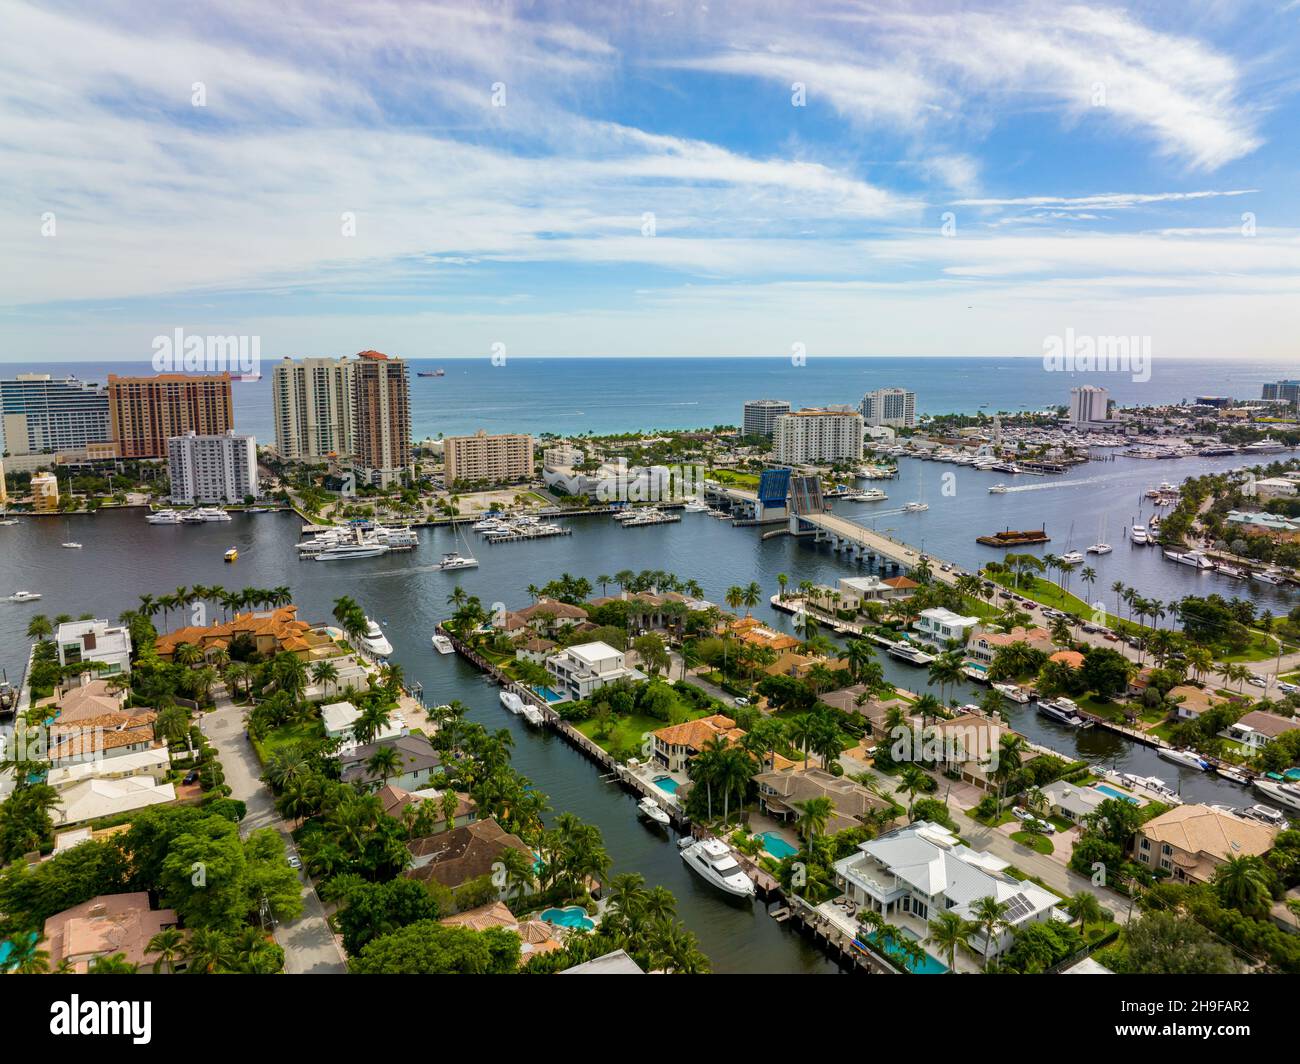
374	641
909	652
1286	794
512	702
713	861
1231	772
1182	757
164	517
1195	558
1013	691
24	596
1063	711
652	810
1230	570
532	714
1269	576
442	644
1153	784
1265	814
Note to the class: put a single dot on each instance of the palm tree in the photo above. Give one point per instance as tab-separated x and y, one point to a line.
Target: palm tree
990	916
751	596
947	932
814	815
168	944
781	581
385	762
325	673
1243	883
914	781
39	628
1085	908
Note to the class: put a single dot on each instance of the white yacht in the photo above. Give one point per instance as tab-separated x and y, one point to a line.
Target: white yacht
442	644
711	860
1154	784
1138	534
999	489
71	546
916	507
1194	558
1265	446
212	513
192	517
1012	691
696	506
1287	794
164	517
532	714
1270	576
347	551
1230	570
1265	814
456	560
24	596
1063	711
1073	557
1100	548
374	641
512	702
909	652
868	495
1182	757
652	810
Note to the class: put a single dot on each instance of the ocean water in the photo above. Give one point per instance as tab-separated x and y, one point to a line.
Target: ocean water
566	396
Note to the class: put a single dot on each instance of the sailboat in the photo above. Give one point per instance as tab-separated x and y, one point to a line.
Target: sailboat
455	559
1101	546
919	504
67	525
1071	557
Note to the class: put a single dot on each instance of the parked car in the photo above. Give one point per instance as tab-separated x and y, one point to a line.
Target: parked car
1257	680
191	776
295	862
742	701
1289	688
1025	815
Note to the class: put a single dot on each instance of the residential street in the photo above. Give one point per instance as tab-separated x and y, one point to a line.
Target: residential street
309	945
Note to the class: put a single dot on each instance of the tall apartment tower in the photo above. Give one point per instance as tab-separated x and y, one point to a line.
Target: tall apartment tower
1088	403
381	430
145	412
893	407
818	435
212	468
312	403
760	416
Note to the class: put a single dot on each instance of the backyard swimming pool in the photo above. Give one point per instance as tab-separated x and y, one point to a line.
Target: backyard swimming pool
777	846
548	694
929	966
666	783
572	916
1110	792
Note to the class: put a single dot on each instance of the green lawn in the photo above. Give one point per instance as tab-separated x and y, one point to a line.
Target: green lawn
303	732
1038	843
1049	593
1262	648
734	479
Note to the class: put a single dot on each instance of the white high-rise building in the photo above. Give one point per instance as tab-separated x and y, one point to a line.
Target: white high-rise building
817	435
312	400
207	469
1088	403
894	407
761	415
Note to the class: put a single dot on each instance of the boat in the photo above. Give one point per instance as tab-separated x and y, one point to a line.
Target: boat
1008	538
1138	534
8	520
1182	757
211	513
909	652
1287	794
1100	548
455	560
916	507
1230	570
442	644
440	372
347	551
999	489
232	554
652	810
374	641
71	546
1265	446
164	517
1229	772
1265	814
533	715
1153	784
24	596
696	506
868	495
424	373
258	510
1012	691
1194	558
713	861
192	517
512	702
1063	711
1072	557
1269	576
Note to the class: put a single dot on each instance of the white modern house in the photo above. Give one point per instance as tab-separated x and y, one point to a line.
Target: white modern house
939	625
911	874
340	719
100	641
585	668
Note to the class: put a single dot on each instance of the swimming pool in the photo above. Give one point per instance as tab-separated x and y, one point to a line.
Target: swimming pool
1292	773
1110	792
777	846
548	694
666	783
572	916
929	966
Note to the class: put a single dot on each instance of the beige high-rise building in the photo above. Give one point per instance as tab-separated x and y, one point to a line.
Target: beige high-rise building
145	412
817	435
495	459
381	426
4	491
312	402
45	493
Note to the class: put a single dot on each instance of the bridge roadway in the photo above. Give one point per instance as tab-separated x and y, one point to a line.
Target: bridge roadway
843	534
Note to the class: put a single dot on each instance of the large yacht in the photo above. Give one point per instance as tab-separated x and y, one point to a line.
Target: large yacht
1287	794
713	861
1182	757
1138	534
164	517
212	513
910	652
1194	558
442	644
1063	711
347	551
456	560
374	641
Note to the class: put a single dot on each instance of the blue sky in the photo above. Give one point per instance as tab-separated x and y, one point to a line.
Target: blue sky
1115	170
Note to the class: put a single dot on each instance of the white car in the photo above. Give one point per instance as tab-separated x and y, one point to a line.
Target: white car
742	701
1027	817
1289	688
1257	681
294	861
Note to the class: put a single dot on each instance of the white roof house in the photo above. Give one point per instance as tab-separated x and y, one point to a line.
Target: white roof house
922	869
339	718
939	625
100	641
1071	801
98	798
579	670
152	763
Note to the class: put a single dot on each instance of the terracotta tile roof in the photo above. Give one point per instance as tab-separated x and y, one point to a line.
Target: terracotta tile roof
695	734
536	936
1018	634
89	700
457	856
1072	658
900	583
108	924
1202	831
280	624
